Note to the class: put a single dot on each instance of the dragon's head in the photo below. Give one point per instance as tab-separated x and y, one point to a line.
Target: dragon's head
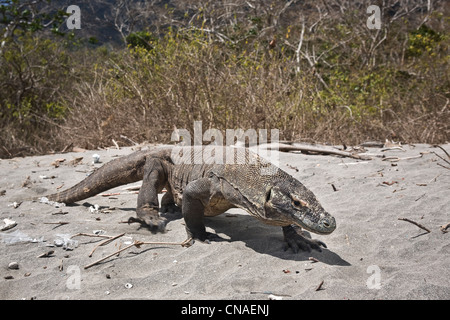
290	202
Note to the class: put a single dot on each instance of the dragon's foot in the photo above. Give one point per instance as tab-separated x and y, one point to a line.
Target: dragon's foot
151	223
149	218
204	236
294	238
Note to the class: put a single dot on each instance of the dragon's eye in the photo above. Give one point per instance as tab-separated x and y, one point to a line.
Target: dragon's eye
299	203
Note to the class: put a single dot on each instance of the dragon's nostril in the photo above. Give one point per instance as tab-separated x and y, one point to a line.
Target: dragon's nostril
328	224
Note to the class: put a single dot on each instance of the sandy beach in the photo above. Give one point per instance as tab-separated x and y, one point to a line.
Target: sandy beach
371	254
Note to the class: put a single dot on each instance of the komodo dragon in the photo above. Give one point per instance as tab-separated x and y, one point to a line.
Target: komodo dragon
210	187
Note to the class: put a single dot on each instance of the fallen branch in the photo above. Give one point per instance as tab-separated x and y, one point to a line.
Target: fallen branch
314	149
417	224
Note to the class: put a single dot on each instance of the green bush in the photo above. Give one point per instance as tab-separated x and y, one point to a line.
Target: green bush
34	73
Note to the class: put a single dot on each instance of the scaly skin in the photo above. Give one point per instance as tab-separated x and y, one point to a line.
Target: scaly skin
208	187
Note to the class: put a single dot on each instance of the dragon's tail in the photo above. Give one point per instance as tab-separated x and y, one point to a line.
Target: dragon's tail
113	174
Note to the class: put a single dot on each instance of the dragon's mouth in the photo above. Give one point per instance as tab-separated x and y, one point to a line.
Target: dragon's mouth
325	225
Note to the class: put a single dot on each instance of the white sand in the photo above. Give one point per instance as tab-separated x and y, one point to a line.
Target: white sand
371	254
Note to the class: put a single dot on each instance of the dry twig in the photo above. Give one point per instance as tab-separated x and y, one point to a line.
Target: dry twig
105	242
46	254
109	256
319	287
448	155
444	227
138	244
441	158
417	224
116	144
59	223
91	235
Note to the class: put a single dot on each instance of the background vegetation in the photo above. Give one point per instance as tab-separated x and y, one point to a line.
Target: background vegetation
138	69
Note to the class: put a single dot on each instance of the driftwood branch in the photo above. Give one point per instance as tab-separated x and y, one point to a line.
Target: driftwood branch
314	149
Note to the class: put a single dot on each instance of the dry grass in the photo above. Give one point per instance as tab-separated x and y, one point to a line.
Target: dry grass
345	85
